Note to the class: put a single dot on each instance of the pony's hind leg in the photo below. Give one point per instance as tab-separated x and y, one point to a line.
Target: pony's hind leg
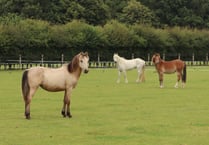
138	77
178	79
27	108
28	101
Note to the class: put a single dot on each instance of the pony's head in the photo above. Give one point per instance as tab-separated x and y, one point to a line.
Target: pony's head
84	61
81	61
156	58
115	57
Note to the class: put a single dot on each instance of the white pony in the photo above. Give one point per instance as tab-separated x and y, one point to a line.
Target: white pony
124	64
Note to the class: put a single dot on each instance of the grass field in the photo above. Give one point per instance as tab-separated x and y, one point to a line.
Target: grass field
107	113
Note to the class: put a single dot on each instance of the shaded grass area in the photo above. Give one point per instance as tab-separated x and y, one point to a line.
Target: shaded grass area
107	113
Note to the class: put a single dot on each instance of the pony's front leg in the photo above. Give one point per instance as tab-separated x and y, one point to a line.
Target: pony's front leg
119	74
63	109
66	104
125	77
161	79
176	85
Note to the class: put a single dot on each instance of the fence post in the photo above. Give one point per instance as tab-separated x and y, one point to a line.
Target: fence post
179	56
98	57
62	58
132	55
192	58
20	61
42	59
206	59
163	56
148	59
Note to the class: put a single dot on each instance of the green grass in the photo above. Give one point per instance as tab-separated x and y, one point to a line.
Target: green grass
107	113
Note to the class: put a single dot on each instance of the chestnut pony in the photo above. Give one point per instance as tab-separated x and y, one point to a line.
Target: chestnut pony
169	67
64	78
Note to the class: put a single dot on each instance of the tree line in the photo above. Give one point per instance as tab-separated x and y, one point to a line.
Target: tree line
139	27
158	13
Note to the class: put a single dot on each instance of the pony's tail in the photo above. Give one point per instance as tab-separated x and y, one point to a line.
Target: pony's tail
184	74
143	75
25	85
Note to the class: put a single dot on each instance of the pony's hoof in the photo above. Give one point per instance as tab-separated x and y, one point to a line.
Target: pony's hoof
27	116
69	115
63	114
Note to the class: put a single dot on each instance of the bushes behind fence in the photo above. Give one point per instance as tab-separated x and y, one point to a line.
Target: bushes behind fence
31	38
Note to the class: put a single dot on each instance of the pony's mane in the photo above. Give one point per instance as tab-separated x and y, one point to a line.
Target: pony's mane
158	54
73	64
119	57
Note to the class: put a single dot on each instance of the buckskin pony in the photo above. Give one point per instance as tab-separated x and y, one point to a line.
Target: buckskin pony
64	79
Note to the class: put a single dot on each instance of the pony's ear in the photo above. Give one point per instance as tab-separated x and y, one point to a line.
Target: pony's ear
157	54
86	53
153	59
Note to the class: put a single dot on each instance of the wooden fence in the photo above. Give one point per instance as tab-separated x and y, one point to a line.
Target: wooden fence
21	64
17	65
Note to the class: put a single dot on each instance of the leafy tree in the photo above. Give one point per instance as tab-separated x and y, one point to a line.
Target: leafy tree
193	13
136	13
96	11
75	11
116	7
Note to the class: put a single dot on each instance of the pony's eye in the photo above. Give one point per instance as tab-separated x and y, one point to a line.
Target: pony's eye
81	61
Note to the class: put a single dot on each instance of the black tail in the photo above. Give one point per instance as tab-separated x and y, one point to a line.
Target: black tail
25	85
184	75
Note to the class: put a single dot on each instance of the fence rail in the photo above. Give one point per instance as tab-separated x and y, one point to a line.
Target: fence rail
20	63
17	65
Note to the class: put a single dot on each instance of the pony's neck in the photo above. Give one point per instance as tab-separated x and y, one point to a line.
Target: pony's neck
77	72
160	60
159	63
120	59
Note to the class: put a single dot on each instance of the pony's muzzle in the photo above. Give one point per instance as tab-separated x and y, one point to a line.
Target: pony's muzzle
86	71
